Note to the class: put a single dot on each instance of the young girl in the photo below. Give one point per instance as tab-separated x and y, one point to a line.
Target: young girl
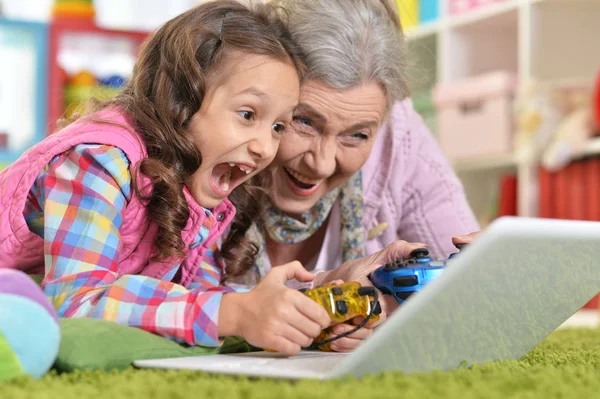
121	209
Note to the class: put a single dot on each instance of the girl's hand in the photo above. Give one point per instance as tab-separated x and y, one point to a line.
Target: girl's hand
275	317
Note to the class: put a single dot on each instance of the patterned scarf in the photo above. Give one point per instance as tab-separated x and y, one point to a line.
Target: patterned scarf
284	229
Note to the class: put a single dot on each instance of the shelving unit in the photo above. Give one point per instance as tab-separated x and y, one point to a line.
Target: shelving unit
23	98
32	98
545	41
59	29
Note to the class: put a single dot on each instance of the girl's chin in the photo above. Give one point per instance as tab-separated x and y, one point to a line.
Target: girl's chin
206	197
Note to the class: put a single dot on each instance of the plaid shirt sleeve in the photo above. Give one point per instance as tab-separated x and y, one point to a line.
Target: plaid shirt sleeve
83	194
210	273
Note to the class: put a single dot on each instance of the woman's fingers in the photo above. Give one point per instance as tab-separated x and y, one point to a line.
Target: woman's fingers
350	342
342	328
466	239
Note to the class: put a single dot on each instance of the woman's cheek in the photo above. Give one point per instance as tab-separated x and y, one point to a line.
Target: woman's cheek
291	146
350	161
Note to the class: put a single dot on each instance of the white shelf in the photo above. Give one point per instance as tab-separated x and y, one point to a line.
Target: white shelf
593	148
581	319
484	13
563	1
424	30
486	163
543	41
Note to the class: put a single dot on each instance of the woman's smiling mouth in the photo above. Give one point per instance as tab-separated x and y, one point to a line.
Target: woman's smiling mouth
300	184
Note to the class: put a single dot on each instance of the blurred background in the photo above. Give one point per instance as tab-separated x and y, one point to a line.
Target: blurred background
510	88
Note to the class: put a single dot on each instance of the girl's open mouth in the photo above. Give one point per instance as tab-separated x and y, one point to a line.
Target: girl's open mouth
301	185
227	176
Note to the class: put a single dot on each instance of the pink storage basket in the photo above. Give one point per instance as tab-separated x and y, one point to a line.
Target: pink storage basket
483	3
457	7
475	117
461	6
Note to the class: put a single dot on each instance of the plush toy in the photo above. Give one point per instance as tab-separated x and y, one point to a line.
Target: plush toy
536	118
29	329
572	134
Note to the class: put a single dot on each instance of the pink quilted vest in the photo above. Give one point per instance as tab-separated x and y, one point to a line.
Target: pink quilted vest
22	249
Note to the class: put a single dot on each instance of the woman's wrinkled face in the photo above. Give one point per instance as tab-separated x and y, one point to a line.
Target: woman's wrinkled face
330	140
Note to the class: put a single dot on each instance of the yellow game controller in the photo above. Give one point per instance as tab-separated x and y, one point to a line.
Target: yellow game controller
343	303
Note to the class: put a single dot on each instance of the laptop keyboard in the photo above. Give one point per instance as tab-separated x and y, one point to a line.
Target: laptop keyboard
318	362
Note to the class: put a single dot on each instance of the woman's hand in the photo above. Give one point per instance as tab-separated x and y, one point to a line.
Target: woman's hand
273	316
350	342
466	239
359	270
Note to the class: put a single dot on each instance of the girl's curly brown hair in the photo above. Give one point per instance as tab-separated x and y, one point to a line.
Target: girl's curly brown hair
167	88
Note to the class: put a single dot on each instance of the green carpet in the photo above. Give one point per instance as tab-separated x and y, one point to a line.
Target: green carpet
565	365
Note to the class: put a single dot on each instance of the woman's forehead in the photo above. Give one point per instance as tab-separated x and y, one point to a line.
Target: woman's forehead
364	104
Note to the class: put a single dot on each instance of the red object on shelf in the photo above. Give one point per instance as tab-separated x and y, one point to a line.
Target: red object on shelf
592	183
546	203
56	76
560	194
576	195
597	104
593	304
507	205
572	193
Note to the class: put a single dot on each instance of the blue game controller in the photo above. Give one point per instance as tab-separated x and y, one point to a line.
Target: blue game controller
403	278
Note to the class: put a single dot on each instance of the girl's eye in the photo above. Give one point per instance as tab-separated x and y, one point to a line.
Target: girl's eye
247	115
278	128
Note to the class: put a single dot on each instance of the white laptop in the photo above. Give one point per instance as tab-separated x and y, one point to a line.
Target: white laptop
503	295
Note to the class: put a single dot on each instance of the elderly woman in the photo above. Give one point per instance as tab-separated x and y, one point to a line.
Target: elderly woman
359	175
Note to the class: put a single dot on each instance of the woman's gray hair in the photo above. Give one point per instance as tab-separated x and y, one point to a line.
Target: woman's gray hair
350	42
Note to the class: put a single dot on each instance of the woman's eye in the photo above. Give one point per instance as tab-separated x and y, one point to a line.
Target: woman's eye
303	120
247	115
279	127
360	136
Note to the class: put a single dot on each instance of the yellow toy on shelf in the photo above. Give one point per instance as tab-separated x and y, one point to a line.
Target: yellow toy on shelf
409	13
84	85
74	9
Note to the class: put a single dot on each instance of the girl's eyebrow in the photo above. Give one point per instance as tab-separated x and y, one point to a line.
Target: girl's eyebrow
253	90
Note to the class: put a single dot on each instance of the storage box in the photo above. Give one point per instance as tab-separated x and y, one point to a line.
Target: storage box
462	6
483	3
428	10
475	117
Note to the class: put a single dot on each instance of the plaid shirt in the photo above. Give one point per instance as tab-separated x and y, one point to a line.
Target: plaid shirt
76	205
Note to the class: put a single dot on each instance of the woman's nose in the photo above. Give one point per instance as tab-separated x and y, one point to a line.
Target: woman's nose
324	159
